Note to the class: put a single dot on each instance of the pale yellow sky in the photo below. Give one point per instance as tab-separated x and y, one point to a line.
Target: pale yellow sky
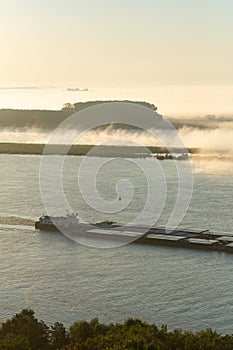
128	42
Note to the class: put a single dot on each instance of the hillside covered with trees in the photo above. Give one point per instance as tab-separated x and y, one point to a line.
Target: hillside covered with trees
25	332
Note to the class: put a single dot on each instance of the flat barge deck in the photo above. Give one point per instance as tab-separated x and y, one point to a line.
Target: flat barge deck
190	239
205	240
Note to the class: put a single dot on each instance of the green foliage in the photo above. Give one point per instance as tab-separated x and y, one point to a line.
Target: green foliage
12	342
27	326
25	332
82	331
59	336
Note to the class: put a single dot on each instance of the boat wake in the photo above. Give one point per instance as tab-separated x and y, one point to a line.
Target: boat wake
16	221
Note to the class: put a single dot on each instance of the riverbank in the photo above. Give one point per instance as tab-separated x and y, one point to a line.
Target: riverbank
82	150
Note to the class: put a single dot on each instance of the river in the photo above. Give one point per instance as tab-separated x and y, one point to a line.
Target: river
64	281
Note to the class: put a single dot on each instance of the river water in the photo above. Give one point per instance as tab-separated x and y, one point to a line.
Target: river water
64	281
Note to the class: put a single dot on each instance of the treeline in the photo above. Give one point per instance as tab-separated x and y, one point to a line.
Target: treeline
25	332
91	150
42	119
80	105
49	119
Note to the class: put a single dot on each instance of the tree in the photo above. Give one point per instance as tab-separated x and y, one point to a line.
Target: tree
67	106
24	324
80	332
10	342
59	336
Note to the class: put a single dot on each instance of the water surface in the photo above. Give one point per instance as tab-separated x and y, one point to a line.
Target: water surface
64	281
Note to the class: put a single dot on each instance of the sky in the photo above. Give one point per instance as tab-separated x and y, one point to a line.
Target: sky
119	43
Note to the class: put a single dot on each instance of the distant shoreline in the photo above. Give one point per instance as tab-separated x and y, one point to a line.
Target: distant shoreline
91	150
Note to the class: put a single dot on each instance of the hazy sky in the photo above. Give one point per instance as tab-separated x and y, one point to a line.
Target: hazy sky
120	42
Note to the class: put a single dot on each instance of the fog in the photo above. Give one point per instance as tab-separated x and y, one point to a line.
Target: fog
217	139
215	144
212	139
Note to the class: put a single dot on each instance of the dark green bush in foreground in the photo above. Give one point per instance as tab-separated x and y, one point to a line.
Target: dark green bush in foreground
25	332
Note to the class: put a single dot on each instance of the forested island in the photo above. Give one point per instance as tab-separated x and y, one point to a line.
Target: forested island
50	119
25	332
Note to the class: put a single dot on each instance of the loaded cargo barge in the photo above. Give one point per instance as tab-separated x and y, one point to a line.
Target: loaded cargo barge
110	231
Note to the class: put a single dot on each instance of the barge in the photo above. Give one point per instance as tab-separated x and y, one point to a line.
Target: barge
109	231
